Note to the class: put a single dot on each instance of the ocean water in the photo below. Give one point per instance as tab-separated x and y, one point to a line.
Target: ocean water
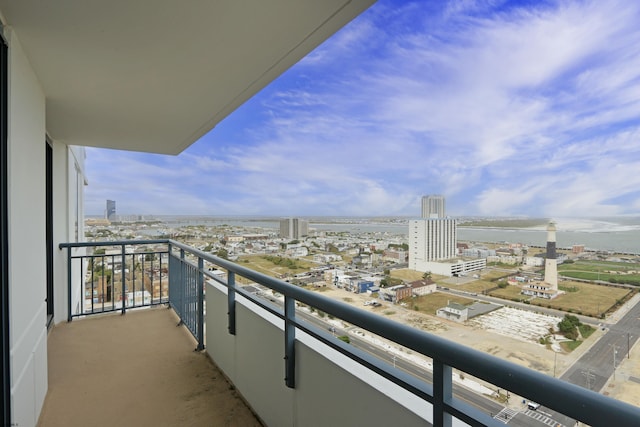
619	234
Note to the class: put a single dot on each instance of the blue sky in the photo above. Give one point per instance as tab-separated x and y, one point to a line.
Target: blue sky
507	108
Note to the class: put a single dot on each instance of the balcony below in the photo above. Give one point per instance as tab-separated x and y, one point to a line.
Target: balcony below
136	370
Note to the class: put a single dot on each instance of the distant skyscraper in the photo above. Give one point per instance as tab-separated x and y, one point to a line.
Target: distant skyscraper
433	206
293	228
110	213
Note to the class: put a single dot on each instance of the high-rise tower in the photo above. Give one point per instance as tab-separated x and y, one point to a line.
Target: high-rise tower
432	237
110	212
433	206
294	228
551	263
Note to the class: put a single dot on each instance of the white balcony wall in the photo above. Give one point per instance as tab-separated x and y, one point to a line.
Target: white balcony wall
330	388
27	254
27	231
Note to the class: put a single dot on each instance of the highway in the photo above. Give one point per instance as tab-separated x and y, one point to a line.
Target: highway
514	418
592	370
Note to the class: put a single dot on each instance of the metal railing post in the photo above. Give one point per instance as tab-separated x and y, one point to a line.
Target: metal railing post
69	284
183	286
231	301
200	304
123	298
170	274
289	341
442	393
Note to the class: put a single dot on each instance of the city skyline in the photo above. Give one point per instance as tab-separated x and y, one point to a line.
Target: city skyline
516	109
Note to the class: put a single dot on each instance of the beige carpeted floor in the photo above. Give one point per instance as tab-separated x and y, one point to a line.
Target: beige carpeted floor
139	369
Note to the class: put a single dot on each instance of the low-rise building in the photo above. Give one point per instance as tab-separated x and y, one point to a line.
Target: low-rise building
454	267
454	311
396	293
423	287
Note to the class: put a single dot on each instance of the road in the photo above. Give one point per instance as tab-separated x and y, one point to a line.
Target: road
592	370
596	366
498	411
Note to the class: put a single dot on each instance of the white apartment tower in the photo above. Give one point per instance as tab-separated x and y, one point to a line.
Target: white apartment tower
431	240
433	206
293	228
432	237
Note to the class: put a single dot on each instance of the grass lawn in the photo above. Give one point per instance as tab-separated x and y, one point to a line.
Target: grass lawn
510	292
587	299
261	264
494	274
586	330
407	274
477	286
569	346
432	302
601	270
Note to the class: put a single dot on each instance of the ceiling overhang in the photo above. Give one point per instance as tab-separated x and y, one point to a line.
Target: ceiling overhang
156	75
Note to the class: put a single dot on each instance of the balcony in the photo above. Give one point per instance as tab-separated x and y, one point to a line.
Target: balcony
137	370
289	369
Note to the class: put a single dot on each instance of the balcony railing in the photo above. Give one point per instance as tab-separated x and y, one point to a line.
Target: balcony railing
188	268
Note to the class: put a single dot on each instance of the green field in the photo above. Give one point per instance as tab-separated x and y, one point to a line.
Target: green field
614	272
512	293
407	274
261	264
585	298
431	303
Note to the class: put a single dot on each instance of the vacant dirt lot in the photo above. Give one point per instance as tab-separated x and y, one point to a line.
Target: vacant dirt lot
508	346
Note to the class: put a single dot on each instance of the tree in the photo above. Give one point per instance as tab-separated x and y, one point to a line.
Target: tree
426	275
150	257
222	253
568	326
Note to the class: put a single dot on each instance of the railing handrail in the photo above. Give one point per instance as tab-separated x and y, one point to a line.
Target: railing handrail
113	243
572	400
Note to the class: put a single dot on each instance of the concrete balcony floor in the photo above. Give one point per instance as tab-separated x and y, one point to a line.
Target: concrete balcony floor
135	370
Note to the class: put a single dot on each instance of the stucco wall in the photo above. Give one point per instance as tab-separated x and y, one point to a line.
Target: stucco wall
27	254
331	389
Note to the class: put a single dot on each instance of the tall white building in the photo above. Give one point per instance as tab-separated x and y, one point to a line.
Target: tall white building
433	206
431	240
293	228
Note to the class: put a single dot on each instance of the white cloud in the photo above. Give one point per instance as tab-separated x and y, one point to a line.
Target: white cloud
505	110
